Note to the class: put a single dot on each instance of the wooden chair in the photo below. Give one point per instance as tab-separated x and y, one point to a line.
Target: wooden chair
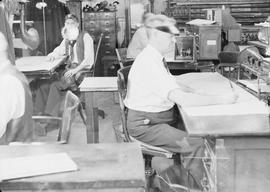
228	64
122	57
148	151
70	107
89	72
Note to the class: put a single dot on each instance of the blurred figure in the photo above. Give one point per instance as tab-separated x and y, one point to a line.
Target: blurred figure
16	101
139	39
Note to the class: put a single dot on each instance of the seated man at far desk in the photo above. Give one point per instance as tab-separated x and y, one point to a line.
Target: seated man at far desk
15	101
152	93
78	45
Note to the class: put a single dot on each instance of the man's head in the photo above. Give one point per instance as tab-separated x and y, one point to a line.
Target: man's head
162	32
71	20
71	29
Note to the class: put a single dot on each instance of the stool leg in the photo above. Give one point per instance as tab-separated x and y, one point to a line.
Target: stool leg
149	172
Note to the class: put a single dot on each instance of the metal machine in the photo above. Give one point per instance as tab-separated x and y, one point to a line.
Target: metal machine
213	37
254	73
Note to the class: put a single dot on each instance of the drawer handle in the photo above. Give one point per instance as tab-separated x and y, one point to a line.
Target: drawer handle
107	36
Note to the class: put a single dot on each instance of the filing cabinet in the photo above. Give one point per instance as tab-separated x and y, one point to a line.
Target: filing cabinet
102	22
96	23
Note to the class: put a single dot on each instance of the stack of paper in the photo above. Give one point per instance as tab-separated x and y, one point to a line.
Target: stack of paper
28	166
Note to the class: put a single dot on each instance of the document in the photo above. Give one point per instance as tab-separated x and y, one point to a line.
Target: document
37	63
28	166
201	22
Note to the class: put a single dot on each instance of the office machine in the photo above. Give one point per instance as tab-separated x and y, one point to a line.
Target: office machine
185	49
207	40
254	73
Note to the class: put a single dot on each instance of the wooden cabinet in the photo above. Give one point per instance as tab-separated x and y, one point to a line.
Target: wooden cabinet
102	22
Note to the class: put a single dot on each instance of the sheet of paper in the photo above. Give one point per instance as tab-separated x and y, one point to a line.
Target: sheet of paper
214	83
248	115
99	83
201	22
28	166
37	63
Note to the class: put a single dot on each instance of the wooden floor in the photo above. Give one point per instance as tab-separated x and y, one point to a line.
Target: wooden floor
108	104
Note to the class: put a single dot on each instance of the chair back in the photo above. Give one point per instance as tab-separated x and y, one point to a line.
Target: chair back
70	107
122	81
228	57
122	57
97	52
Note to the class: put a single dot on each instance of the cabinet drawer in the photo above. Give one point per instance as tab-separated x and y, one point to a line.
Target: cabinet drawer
90	24
110	38
89	16
107	23
105	15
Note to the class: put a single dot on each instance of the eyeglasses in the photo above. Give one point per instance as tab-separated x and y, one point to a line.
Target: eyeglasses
164	29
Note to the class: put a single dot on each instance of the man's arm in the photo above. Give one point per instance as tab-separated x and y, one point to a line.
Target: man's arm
57	52
191	98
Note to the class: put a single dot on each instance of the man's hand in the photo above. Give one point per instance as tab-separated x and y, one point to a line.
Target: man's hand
50	57
70	73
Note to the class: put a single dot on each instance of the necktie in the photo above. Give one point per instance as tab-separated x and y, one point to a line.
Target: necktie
165	64
71	52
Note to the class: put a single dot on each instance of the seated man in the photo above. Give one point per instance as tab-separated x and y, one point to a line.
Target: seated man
78	45
16	101
152	93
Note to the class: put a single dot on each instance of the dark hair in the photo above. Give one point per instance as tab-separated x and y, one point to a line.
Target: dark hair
73	17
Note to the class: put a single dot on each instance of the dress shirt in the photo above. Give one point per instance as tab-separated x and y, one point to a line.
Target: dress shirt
88	50
149	83
12	99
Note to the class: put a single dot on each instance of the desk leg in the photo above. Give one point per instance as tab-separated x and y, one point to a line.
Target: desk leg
92	127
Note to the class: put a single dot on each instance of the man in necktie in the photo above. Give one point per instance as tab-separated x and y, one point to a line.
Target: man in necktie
78	46
152	92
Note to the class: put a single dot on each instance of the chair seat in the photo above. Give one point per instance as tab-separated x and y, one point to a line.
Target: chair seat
152	150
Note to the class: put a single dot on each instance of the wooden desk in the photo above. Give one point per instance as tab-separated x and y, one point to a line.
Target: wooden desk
89	86
102	167
240	159
38	67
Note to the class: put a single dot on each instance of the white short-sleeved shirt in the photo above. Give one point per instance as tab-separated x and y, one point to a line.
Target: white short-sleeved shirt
149	83
12	100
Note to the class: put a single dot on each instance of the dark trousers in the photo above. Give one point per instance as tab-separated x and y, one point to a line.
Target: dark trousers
161	131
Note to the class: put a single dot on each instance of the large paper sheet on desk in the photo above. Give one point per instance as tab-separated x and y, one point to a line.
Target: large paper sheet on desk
27	166
248	116
37	63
